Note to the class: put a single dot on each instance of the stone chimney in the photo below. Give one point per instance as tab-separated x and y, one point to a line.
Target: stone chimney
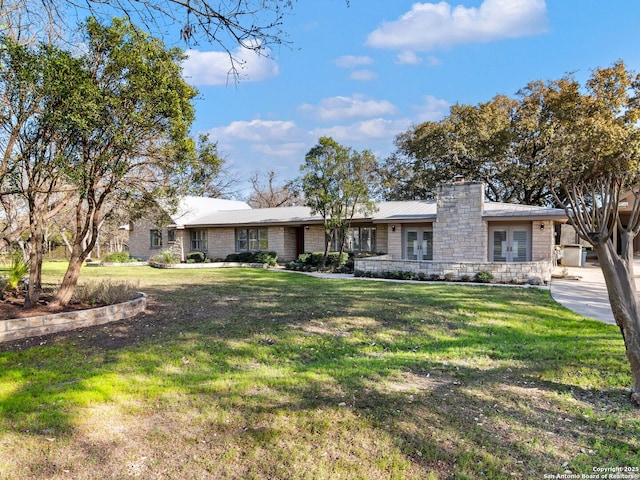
459	232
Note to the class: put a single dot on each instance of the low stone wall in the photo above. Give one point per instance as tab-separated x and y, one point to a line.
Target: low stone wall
118	264
18	328
524	272
208	265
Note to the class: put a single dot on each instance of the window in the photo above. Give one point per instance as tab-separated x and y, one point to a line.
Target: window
252	239
156	238
359	239
171	236
199	240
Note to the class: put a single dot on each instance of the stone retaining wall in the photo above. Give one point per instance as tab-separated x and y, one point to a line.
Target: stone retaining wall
18	328
524	272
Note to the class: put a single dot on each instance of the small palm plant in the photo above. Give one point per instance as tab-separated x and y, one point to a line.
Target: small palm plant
19	268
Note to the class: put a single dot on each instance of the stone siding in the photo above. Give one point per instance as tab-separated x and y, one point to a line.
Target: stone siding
314	238
290	245
60	322
542	241
394	242
525	272
221	242
382	237
140	240
459	232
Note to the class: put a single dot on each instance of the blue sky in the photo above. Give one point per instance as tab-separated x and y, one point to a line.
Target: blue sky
365	72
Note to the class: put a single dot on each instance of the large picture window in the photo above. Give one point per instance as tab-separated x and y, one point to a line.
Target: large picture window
199	240
359	239
155	238
252	239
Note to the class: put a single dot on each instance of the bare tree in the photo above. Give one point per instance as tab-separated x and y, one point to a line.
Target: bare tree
254	25
270	194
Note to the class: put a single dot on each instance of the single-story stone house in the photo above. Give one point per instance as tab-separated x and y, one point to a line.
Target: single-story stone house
458	233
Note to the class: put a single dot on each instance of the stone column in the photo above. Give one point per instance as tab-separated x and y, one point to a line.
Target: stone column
459	232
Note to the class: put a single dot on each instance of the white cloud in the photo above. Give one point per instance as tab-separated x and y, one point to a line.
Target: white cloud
432	109
408	58
374	129
282	150
352	61
363	75
343	108
256	131
431	25
215	68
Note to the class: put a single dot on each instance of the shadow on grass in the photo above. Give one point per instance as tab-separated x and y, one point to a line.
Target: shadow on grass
462	379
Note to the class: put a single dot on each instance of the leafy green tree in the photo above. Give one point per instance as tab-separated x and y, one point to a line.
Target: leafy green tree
337	183
595	147
135	108
33	82
496	142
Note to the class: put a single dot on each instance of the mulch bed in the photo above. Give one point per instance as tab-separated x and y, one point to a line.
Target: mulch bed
12	306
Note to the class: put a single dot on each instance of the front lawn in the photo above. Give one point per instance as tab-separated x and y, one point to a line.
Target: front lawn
242	373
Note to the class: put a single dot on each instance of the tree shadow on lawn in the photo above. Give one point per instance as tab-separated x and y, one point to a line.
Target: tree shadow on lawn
380	352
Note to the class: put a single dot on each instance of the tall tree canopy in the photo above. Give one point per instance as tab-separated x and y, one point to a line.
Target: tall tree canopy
498	142
337	183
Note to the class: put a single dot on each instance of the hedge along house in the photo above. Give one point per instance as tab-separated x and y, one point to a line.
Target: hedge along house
457	235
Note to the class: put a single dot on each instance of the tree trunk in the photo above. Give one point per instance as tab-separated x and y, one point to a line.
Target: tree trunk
327	247
621	287
35	269
70	280
36	247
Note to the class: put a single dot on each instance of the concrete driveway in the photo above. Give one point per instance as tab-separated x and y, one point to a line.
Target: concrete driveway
584	291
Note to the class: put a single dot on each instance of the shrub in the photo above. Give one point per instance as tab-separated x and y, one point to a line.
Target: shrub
465	278
195	257
270	258
167	257
309	262
483	276
117	257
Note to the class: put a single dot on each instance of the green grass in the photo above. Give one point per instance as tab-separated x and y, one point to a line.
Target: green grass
241	373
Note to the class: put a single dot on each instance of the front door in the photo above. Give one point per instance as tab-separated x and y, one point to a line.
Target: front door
418	244
299	241
510	244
